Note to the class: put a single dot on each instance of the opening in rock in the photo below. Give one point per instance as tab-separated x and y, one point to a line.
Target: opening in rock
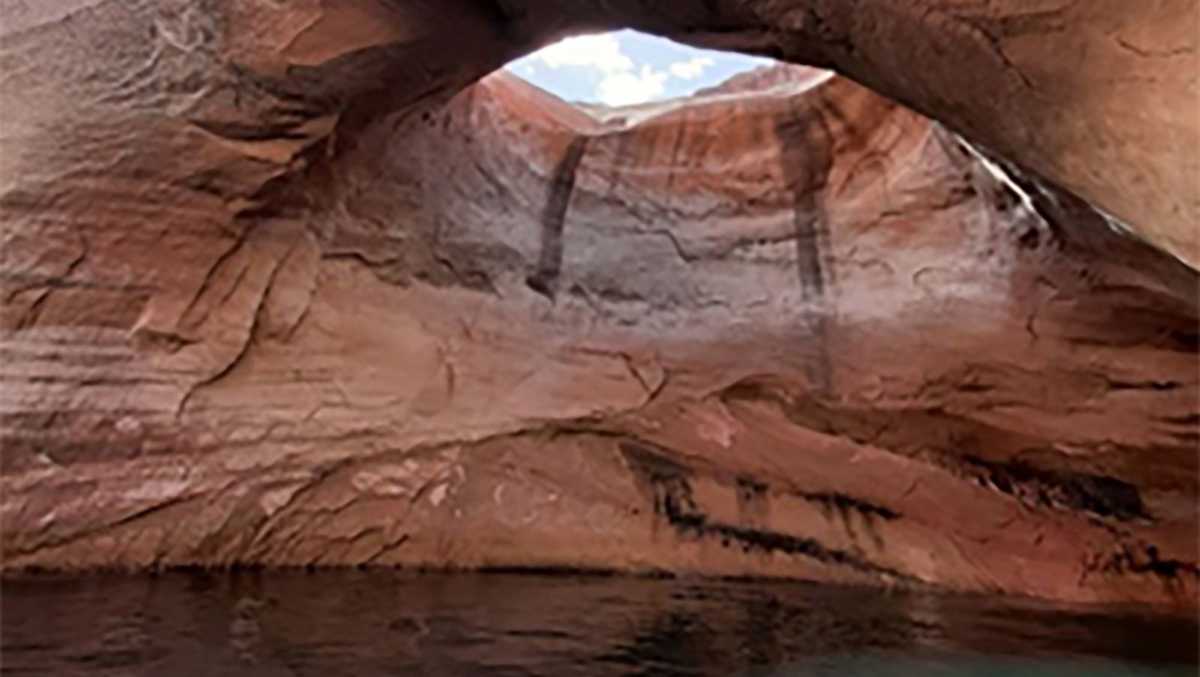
646	183
626	67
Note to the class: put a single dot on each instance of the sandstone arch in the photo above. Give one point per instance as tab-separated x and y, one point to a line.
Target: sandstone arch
214	215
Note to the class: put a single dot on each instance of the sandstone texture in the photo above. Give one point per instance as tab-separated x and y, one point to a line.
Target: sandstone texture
277	290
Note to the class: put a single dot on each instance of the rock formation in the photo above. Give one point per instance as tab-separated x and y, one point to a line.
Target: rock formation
277	292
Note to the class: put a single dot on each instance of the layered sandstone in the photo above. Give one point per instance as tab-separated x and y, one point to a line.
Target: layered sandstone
787	328
172	103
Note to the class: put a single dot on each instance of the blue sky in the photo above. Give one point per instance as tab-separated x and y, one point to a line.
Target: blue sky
627	67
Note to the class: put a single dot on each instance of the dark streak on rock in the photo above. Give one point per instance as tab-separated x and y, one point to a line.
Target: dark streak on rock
844	505
806	159
752	500
960	446
1187	419
669	485
1141	559
1143	385
562	185
1103	496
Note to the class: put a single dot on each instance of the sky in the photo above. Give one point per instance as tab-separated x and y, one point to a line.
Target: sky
626	67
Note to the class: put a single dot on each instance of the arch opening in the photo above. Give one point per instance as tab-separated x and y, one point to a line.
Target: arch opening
622	68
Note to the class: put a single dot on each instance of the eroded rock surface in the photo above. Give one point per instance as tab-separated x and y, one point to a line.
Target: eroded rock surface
194	107
789	328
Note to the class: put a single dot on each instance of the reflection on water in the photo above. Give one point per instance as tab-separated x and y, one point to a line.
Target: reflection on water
363	623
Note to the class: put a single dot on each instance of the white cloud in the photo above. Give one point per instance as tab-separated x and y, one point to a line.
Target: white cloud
618	69
621	83
692	68
625	88
597	51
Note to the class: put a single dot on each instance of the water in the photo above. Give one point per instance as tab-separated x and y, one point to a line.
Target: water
363	623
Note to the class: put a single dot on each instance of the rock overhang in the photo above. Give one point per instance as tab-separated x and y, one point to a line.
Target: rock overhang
276	247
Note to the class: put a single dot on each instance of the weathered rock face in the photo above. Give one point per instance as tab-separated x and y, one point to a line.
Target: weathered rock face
214	99
795	332
787	329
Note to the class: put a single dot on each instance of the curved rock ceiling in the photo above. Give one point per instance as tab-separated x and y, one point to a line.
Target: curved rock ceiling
280	287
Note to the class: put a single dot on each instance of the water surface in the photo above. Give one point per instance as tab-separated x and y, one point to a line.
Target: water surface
364	623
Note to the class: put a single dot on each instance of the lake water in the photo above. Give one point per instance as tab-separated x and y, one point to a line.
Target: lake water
365	623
